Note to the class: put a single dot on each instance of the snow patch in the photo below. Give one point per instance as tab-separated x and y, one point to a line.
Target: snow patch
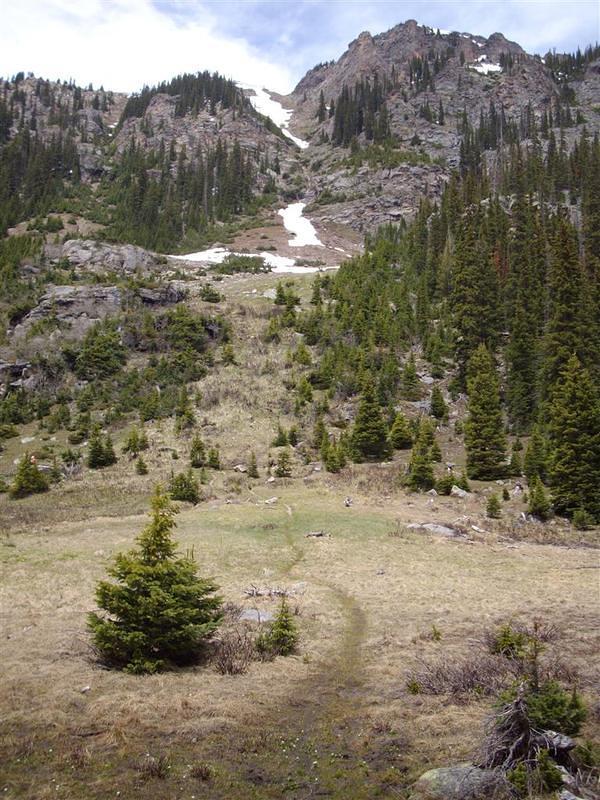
302	228
215	255
294	222
265	105
482	66
278	264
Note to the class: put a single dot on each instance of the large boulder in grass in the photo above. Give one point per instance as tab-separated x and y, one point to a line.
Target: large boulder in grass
464	782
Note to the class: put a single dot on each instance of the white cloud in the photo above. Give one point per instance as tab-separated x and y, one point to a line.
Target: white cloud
124	44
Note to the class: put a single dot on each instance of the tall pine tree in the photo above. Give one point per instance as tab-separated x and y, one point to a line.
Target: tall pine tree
574	438
485	439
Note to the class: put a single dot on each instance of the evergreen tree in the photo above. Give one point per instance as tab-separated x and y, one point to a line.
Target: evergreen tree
322	109
463	482
132	444
410	380
197	453
485	439
140	466
284	465
101	354
253	467
474	298
304	390
110	457
214	459
333	456
539	505
28	479
574	442
319	432
400	435
282	637
158	612
438	408
535	463
565	331
493	508
101	451
420	472
184	487
521	356
515	466
281	438
369	440
184	414
435	452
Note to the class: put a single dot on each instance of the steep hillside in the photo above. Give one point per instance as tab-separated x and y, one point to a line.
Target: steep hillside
404	101
153	169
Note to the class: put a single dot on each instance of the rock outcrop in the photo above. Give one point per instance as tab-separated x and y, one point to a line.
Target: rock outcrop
468	73
100	258
460	783
72	310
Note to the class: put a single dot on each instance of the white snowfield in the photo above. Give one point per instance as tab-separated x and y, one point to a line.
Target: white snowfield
264	104
216	255
304	231
293	221
483	67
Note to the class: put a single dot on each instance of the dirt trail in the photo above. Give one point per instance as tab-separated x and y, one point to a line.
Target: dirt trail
318	755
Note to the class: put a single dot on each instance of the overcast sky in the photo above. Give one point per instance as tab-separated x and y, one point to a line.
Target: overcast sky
123	44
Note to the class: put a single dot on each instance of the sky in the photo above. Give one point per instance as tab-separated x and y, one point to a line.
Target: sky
124	44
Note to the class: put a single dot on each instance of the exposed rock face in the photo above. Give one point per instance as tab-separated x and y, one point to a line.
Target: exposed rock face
468	73
99	258
13	374
74	309
51	107
160	126
394	50
460	783
468	78
374	197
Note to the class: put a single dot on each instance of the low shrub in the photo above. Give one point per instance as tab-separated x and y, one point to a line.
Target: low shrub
234	652
184	487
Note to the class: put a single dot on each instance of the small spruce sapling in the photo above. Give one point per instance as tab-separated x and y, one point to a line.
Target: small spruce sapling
281	438
158	611
214	458
29	479
253	467
400	434
184	487
420	472
140	466
197	453
284	467
438	408
539	504
281	639
493	508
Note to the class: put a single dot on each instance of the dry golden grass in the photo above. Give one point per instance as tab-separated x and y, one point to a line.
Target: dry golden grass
336	719
367	601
